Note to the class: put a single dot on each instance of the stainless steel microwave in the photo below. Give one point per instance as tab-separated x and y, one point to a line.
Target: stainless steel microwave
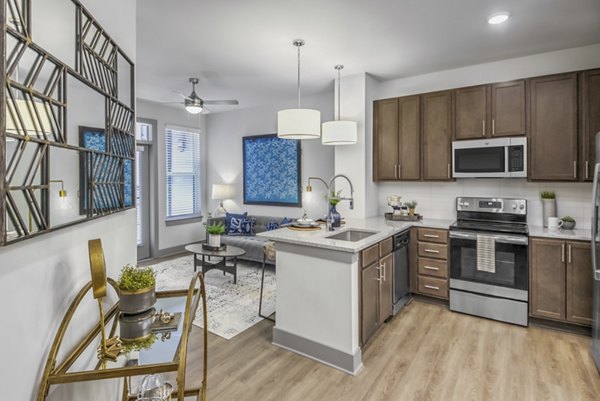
490	158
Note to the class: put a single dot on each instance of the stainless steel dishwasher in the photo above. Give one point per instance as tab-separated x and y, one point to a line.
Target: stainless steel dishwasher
401	271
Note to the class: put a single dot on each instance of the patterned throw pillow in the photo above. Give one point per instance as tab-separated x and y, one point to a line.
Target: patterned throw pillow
229	216
272	225
285	221
241	227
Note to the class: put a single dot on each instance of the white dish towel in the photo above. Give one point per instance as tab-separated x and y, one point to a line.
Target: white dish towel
486	253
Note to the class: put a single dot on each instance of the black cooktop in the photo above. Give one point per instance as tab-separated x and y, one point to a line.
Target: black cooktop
491	226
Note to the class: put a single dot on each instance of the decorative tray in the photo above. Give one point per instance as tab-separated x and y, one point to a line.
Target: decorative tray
391	216
221	248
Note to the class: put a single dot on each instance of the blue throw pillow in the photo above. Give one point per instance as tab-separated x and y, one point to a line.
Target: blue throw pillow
285	221
241	227
272	225
228	217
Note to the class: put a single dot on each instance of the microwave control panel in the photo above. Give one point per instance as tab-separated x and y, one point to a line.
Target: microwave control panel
516	158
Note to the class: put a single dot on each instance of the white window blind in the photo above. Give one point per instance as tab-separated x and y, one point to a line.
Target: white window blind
183	173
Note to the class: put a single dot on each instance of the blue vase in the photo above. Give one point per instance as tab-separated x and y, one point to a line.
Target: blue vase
336	218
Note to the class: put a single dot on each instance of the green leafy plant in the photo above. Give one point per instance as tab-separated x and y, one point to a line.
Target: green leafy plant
138	345
134	278
568	219
548	195
411	204
216	229
335	197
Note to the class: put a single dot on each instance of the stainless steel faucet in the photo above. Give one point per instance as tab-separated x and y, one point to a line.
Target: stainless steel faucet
328	196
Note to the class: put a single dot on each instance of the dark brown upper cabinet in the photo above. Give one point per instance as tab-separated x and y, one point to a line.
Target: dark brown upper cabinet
508	108
437	135
386	139
470	117
397	139
488	111
589	95
553	128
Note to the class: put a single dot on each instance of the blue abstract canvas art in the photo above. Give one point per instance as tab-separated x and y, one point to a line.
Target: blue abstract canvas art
272	171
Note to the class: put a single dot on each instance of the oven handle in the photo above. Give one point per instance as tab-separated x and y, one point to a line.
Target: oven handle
505	239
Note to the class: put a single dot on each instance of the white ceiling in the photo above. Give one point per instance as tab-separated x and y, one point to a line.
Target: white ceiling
242	49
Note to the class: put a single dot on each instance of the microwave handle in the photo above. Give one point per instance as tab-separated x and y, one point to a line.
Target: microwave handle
505	239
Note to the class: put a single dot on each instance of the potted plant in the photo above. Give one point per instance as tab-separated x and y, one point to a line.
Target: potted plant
334	199
412	205
214	234
568	223
548	205
136	289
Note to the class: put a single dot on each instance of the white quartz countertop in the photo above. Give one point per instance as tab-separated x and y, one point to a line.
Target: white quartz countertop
379	225
581	234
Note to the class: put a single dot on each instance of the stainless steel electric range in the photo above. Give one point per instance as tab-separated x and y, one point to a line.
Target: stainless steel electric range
489	268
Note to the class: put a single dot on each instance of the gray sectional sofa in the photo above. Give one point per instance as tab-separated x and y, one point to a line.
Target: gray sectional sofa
253	245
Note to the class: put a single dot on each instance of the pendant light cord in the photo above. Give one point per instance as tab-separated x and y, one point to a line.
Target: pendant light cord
298	76
339	95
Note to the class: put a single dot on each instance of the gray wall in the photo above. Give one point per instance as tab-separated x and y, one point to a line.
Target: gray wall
224	137
39	277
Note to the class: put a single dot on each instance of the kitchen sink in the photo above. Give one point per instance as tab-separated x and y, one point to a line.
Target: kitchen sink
351	235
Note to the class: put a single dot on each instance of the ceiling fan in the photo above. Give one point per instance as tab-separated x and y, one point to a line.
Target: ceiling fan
194	104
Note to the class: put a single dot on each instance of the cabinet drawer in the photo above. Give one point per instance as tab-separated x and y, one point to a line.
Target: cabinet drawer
429	250
433	235
432	267
435	287
386	247
370	256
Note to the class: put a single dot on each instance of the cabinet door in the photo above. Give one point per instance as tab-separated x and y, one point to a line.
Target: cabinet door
470	113
590	121
580	283
508	109
370	301
547	278
386	139
409	163
553	144
437	135
385	288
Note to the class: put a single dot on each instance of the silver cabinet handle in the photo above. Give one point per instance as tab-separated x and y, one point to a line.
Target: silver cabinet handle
382	270
399	170
483	128
569	253
562	252
431	236
395	171
432	287
587	169
448	170
574	168
378	278
432	251
493	127
431	268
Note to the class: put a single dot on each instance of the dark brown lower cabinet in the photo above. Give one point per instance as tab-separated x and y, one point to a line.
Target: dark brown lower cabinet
376	288
561	280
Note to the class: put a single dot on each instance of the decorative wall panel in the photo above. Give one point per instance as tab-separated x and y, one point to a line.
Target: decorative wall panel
44	103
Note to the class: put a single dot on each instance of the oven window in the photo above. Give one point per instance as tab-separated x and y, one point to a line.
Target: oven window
479	160
511	264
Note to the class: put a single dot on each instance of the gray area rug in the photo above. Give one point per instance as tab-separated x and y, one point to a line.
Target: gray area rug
232	308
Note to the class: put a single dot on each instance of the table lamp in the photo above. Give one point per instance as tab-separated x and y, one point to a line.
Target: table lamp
221	192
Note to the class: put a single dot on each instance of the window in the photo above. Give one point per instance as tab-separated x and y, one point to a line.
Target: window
183	173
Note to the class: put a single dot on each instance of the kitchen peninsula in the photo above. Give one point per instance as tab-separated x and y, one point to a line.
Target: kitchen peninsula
319	291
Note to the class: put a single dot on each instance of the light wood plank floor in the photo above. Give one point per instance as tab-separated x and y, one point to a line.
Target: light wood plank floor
424	353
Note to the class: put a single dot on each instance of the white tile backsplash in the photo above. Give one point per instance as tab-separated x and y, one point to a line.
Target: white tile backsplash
437	199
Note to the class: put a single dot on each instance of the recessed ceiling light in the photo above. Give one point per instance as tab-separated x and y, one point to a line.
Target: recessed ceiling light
498	18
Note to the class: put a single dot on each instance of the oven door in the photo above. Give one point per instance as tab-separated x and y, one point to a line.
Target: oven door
511	257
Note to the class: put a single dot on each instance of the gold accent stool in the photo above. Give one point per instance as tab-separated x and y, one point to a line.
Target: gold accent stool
109	348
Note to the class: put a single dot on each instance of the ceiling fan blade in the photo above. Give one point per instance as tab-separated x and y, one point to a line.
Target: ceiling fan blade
222	102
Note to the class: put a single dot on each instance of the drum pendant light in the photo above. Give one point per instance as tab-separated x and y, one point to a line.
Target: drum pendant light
339	132
299	123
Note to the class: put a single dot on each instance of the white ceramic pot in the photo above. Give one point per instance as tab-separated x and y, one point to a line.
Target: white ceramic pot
214	240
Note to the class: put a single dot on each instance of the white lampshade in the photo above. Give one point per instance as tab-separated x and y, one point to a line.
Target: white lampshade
193	109
299	124
340	133
222	191
30	125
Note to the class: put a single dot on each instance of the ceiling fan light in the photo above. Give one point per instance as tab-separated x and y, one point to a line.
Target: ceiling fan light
299	124
193	106
340	132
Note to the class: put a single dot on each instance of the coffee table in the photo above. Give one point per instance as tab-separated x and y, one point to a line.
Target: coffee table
200	259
